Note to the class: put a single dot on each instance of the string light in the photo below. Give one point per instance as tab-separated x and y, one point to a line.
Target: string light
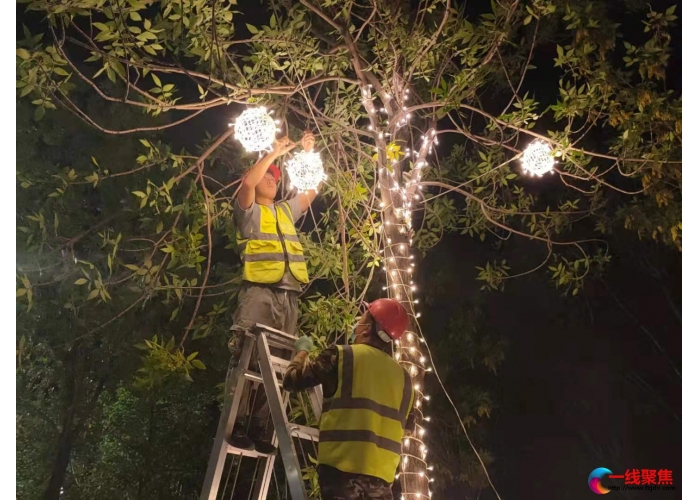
255	129
401	199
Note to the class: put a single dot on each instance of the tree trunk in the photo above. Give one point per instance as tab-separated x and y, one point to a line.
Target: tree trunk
60	464
68	434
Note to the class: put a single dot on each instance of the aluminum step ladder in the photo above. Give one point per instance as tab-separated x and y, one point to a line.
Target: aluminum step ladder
272	369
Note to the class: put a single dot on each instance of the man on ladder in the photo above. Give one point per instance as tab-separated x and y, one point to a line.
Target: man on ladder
368	404
273	267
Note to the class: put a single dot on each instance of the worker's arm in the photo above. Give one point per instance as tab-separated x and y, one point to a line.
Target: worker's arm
305	200
303	373
246	195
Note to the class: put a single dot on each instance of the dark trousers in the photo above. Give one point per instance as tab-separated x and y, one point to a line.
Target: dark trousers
338	485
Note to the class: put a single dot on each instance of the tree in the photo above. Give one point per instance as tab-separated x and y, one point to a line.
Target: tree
381	83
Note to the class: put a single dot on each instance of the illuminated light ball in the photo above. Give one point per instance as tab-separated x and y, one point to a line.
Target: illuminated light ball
305	170
538	159
255	129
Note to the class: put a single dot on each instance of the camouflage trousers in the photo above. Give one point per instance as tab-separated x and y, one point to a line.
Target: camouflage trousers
270	306
339	485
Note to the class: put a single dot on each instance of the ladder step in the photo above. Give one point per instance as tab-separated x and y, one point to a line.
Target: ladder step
279	362
303	432
256	377
233	450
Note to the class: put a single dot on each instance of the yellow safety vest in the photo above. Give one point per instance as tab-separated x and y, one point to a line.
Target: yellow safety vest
362	424
271	244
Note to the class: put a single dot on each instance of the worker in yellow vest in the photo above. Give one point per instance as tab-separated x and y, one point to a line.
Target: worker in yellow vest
368	404
273	265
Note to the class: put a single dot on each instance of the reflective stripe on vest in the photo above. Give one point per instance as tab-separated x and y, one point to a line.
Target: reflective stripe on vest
362	423
262	252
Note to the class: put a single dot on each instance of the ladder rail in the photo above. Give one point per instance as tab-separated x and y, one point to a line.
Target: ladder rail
212	479
279	419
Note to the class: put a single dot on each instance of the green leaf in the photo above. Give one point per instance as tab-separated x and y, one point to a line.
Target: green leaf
156	79
251	28
135	16
140	194
26	90
101	26
39	113
23	54
80	281
93	294
60	71
198	364
21	292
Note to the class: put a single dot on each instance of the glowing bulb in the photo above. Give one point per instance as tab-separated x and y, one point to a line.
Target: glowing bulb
537	158
305	170
397	356
409	337
255	129
417	387
406	442
422	359
427	419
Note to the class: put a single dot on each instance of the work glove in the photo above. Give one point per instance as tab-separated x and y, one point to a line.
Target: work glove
304	343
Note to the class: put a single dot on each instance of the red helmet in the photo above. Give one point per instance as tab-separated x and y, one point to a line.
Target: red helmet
391	318
275	172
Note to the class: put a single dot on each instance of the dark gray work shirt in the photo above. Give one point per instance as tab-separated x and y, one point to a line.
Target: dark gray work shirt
249	220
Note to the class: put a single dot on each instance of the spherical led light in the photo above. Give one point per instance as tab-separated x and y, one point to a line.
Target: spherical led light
537	158
305	170
255	129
